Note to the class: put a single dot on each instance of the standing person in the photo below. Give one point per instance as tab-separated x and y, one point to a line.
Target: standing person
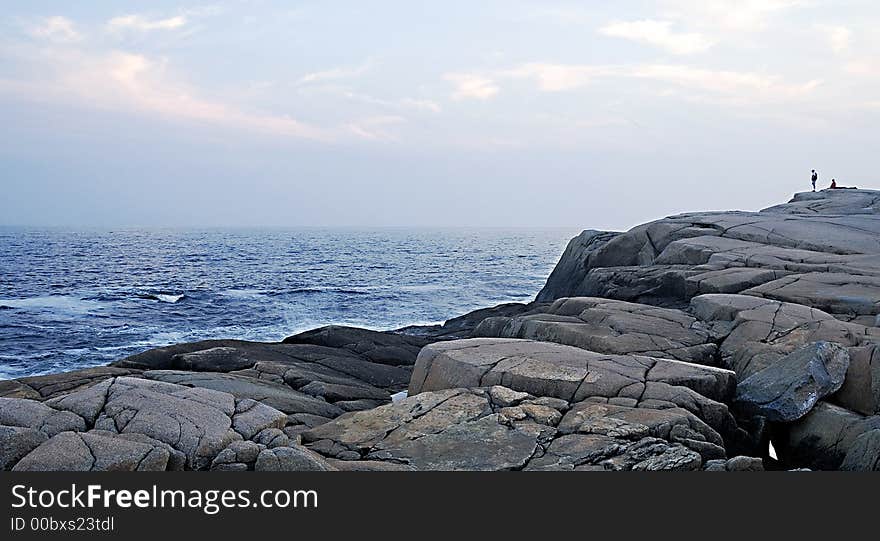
814	178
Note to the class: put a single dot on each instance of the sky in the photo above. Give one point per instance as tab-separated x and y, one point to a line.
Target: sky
409	113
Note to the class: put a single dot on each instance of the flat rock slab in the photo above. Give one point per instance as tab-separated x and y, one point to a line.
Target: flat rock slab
377	347
52	385
573	374
278	396
26	413
94	451
609	326
385	364
788	389
756	333
501	429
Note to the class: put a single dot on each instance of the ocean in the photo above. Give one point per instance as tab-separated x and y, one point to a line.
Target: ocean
78	298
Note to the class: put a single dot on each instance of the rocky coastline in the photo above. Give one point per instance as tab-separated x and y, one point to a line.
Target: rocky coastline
716	341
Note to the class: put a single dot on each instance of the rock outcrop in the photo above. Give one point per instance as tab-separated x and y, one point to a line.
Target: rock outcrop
687	343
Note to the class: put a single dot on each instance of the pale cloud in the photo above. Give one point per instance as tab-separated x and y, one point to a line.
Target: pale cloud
736	86
839	37
375	128
559	77
141	23
470	86
658	34
58	29
731	87
134	83
424	105
336	73
729	15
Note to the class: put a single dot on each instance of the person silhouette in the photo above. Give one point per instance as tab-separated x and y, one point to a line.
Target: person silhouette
814	178
833	184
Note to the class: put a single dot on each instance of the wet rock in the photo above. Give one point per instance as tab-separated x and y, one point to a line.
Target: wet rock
821	439
218	359
864	454
788	389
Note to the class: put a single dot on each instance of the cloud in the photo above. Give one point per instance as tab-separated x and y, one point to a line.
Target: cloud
658	34
730	15
134	83
558	77
736	86
336	73
373	128
468	86
141	23
731	87
839	37
424	105
58	29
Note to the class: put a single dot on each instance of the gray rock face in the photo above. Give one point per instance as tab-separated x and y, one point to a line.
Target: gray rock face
479	429
276	395
572	374
16	442
31	414
821	250
821	439
607	326
573	265
787	390
291	459
219	359
864	454
52	385
376	347
94	451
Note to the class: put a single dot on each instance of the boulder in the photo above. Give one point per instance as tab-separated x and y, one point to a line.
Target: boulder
278	396
196	422
293	458
94	451
481	429
864	454
16	442
821	439
788	389
218	359
32	414
573	374
608	326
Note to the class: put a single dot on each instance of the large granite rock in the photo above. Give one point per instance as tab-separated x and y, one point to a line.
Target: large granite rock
500	429
95	451
129	424
608	326
788	389
821	250
574	375
823	438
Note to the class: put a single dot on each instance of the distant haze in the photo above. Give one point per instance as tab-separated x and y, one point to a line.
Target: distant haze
409	113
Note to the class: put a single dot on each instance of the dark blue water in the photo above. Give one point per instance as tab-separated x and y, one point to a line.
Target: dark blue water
71	299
